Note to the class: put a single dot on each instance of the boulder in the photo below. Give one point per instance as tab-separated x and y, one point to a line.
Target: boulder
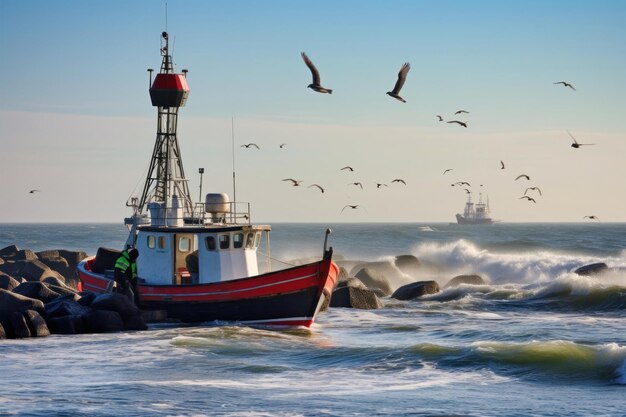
135	323
591	269
11	302
416	289
9	251
352	293
11	268
66	325
407	263
373	277
24	255
73	257
37	290
35	270
103	321
36	324
86	298
465	279
7	282
56	281
62	289
105	259
65	306
59	265
20	327
116	302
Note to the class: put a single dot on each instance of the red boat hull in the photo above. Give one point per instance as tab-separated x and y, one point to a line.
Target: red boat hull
289	297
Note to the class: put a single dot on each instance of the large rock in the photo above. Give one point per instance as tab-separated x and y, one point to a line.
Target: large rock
407	263
61	289
11	302
8	251
20	327
465	279
374	278
354	294
591	269
37	290
86	298
116	302
35	270
36	324
7	282
64	262
66	325
13	253
103	321
416	289
65	306
59	265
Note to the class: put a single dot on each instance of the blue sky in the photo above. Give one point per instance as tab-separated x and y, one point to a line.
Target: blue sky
75	107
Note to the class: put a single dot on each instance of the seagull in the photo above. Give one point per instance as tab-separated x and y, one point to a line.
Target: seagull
461	111
440	118
250	144
457	122
449	169
522	176
399	180
528	198
463	183
318	186
467	191
502	165
591	218
577	145
296	183
315	85
282	145
378	185
351	206
401	79
34	191
349	168
533	188
565	84
357	183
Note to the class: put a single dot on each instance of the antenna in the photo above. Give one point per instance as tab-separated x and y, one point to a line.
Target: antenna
166	16
232	130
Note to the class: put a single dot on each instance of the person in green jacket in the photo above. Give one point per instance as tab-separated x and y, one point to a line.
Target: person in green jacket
125	273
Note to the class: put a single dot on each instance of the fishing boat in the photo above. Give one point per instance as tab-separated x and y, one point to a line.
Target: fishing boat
198	261
478	213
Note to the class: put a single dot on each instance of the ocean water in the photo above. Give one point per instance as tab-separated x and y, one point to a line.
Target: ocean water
535	340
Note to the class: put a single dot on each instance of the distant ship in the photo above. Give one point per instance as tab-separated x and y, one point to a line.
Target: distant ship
475	213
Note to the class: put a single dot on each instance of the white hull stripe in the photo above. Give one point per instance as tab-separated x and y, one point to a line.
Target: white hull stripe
196	294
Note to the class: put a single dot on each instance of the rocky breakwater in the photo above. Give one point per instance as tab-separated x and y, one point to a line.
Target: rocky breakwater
40	295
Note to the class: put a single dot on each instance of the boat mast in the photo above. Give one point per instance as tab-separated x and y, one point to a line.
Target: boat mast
165	183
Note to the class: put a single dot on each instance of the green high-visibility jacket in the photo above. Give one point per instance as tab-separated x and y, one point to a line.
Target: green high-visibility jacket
123	264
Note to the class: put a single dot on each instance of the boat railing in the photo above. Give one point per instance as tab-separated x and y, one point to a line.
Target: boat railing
237	213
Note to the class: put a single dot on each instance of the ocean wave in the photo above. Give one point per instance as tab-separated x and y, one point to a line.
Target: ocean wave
557	358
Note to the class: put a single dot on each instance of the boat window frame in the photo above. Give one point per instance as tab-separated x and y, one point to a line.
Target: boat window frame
250	240
238	245
151	241
257	239
211	247
180	243
162	242
224	241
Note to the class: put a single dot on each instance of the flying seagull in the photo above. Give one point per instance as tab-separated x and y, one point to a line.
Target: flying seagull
522	176
464	124
461	111
250	144
528	198
440	118
349	168
295	183
591	218
315	85
399	180
34	191
357	183
534	189
565	84
378	185
467	191
463	183
401	79
501	165
449	169
351	206
318	186
282	145
577	145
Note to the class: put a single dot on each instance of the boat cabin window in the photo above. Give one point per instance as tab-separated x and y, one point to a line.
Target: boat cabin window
250	240
237	240
257	240
224	241
161	242
210	243
151	242
184	244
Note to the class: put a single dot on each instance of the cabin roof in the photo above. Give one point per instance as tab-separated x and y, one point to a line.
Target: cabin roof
204	229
